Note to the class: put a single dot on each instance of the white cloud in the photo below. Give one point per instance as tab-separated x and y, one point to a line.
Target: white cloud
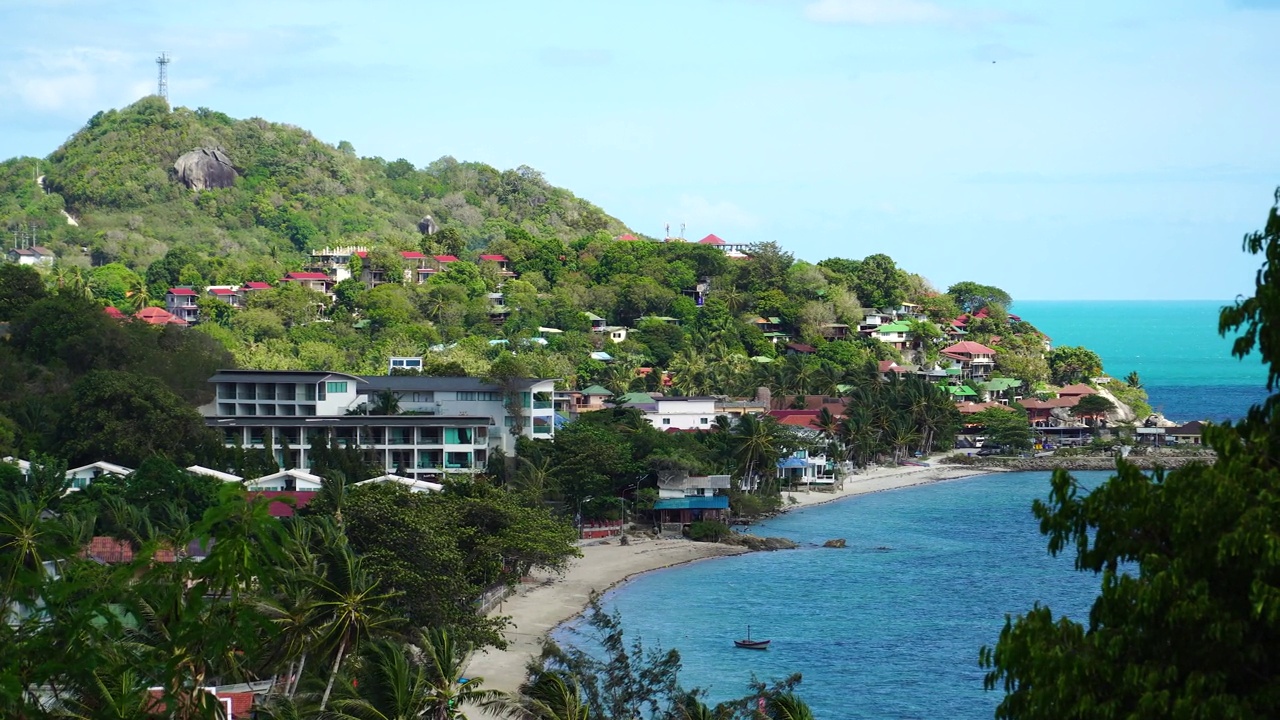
69	81
696	211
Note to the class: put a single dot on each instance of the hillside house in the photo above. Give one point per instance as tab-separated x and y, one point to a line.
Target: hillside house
228	294
158	316
894	335
181	303
682	413
728	248
317	281
974	359
501	262
416	486
34	256
335	262
82	476
443	424
598	324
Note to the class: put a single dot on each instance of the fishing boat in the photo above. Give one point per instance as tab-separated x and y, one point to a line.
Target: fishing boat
749	644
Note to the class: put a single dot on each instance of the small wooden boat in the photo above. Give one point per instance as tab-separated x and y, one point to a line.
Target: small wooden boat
749	644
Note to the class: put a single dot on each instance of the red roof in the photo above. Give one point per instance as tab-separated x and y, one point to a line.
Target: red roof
158	316
494	258
969	347
256	285
973	408
1077	390
446	258
711	240
362	253
891	366
222	291
113	312
626	237
182	291
412	255
796	418
306	276
283	503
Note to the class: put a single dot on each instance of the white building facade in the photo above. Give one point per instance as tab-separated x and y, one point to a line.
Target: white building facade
441	425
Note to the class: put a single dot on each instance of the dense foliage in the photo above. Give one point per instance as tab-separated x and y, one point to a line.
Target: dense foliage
1187	621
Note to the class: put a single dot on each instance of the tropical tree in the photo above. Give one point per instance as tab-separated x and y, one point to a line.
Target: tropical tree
350	607
787	706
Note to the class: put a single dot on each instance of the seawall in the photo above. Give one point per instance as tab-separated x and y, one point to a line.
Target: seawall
1084	462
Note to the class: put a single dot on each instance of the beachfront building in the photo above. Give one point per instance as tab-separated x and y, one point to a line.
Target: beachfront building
413	426
684	499
975	360
674	413
805	469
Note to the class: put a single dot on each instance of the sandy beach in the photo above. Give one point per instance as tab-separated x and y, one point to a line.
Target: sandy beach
546	601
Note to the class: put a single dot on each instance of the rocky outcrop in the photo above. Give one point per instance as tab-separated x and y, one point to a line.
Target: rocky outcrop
755	542
1123	413
427	226
206	168
837	543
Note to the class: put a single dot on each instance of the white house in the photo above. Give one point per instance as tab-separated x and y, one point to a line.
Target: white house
805	468
682	413
691	486
410	483
292	480
181	303
81	477
34	255
440	425
215	474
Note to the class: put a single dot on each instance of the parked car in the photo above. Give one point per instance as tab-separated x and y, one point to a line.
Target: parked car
989	450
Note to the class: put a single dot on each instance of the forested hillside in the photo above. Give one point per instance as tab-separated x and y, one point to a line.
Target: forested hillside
707	320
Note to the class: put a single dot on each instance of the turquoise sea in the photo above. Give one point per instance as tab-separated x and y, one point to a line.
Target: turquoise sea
1174	346
889	627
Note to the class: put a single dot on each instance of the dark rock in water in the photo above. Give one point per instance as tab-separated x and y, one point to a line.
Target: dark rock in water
837	543
206	168
427	226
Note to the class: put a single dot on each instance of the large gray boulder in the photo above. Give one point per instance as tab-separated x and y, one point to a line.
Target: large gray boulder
427	226
205	168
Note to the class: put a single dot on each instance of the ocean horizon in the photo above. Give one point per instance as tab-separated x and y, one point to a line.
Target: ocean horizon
1173	345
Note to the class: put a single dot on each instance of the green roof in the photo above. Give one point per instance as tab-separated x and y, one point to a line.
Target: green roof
894	328
953	371
1000	384
593	316
774	320
596	390
961	390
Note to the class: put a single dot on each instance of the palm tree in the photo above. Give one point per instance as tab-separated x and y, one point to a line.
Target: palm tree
552	695
140	294
385	402
754	443
348	601
444	658
389	685
787	706
691	708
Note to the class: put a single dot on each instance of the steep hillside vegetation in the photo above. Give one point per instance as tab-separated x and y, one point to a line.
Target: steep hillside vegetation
295	193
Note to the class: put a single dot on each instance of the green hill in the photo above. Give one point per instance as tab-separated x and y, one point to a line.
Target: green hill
294	193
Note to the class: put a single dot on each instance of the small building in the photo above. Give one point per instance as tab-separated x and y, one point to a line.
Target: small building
181	303
215	474
226	293
410	484
1190	434
317	281
502	263
974	359
285	481
590	398
81	477
684	499
36	255
682	413
804	468
159	316
403	364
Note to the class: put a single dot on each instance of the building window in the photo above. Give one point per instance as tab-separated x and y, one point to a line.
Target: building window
666	421
704	421
466	397
336	387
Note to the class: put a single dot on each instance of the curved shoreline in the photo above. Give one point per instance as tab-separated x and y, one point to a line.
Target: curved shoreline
540	606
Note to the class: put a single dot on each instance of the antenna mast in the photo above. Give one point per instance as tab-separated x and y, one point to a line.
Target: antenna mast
162	82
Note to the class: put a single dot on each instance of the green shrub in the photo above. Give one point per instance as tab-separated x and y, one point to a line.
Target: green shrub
708	531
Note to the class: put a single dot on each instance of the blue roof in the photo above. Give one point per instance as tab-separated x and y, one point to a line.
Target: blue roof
793	462
717	502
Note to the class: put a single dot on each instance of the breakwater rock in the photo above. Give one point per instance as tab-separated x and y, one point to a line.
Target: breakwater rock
1091	462
837	543
755	542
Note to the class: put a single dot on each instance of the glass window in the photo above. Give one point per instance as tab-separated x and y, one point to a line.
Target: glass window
466	396
336	387
704	421
666	421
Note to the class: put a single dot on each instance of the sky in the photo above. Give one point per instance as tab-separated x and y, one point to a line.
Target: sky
1083	150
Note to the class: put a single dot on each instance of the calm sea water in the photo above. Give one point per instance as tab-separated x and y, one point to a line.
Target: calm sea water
889	627
1186	367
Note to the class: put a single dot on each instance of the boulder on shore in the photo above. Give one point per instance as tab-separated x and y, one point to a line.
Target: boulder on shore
837	543
206	168
755	542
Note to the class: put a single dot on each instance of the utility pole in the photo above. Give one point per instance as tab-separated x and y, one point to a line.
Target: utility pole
162	81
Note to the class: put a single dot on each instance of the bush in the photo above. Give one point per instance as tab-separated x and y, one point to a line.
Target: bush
708	531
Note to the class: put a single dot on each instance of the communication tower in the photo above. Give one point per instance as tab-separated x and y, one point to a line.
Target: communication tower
162	82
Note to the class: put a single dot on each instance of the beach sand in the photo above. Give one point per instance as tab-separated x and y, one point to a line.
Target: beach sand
546	601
